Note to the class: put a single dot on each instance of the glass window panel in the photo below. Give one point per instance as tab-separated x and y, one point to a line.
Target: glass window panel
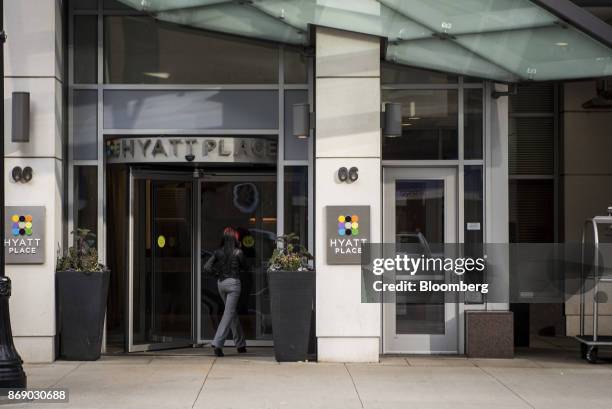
140	50
85	124
85	49
295	148
247	204
444	55
429	125
549	53
296	202
419	209
296	66
86	198
467	16
226	109
473	123
402	74
84	4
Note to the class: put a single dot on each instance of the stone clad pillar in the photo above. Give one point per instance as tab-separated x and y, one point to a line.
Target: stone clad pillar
347	134
33	62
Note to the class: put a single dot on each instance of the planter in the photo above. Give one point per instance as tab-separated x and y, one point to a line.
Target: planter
81	304
291	302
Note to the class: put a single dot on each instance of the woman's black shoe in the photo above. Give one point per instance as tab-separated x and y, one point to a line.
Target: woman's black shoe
242	350
219	352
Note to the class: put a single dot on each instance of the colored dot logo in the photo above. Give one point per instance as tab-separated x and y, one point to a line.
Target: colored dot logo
21	225
348	225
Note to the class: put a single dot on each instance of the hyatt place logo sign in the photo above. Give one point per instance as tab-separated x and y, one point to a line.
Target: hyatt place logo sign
24	234
348	228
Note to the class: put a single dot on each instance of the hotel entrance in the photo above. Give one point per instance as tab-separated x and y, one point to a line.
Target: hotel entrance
176	222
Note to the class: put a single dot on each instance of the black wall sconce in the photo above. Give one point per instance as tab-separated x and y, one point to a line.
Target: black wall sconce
391	120
348	175
302	121
21	117
22	175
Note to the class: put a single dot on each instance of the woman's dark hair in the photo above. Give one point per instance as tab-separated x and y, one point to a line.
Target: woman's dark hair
229	242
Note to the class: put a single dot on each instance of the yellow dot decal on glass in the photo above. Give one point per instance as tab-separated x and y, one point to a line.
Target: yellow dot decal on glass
161	241
248	241
355	225
341	219
15	218
28	225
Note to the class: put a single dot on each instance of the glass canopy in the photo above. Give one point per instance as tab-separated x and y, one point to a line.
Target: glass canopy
504	40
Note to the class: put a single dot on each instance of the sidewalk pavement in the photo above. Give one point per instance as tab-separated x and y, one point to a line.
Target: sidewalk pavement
548	376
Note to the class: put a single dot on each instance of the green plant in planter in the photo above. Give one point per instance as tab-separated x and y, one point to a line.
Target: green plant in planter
82	256
289	255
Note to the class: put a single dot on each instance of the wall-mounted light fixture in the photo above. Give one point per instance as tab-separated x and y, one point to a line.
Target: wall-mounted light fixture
21	117
348	175
22	175
302	121
391	120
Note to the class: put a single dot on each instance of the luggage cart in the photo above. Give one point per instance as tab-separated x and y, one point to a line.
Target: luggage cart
600	229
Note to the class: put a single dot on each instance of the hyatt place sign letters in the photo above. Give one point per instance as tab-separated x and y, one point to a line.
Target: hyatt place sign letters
191	149
24	234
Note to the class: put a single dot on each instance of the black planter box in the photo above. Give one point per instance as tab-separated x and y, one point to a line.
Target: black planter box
292	303
81	305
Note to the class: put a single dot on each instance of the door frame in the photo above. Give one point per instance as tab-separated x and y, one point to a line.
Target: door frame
451	176
138	173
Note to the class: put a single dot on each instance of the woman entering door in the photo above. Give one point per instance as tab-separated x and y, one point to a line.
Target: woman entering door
227	263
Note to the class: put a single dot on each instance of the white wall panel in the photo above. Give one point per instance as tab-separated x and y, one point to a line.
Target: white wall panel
32	46
348	117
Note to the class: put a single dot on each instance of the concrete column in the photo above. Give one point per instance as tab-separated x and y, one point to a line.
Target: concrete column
33	62
496	190
347	134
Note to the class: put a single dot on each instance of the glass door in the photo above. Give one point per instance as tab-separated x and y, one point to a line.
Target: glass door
420	207
161	279
246	203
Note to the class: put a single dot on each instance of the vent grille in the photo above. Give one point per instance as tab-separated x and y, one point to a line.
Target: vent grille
533	98
531	146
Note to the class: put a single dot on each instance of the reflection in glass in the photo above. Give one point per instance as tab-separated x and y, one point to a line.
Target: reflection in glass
249	206
429	125
141	50
419	208
85	50
296	202
86	198
85	124
162	261
295	62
